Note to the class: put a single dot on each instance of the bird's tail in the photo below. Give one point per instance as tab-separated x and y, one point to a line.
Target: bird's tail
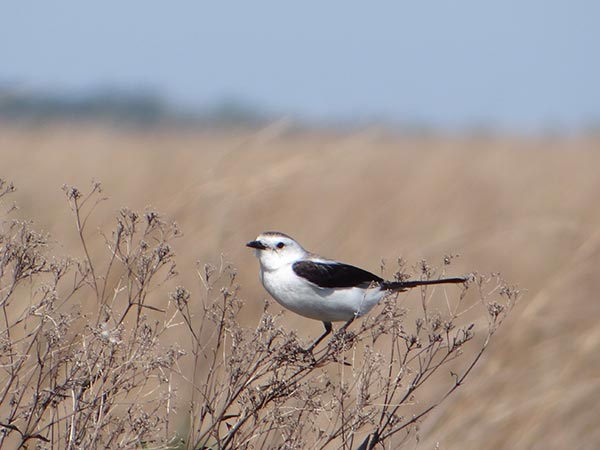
405	285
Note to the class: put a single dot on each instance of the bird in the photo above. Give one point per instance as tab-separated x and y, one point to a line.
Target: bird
319	288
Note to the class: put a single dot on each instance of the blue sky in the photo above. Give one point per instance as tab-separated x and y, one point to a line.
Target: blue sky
516	65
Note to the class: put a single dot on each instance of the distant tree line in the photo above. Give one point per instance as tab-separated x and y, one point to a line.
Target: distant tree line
144	107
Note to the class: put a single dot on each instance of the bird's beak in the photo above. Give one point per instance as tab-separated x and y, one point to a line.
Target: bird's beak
257	245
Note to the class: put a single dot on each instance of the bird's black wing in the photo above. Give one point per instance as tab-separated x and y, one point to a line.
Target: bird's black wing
334	275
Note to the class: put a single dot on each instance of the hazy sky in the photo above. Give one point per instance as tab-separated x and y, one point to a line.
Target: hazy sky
516	64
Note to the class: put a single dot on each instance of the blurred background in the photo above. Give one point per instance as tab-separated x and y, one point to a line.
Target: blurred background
366	132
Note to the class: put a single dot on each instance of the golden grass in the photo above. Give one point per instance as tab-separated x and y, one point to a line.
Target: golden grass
525	207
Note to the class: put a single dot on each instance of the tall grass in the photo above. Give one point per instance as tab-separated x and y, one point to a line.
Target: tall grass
108	351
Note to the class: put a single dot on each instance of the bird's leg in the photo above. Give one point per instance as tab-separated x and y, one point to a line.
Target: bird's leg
346	325
328	329
340	332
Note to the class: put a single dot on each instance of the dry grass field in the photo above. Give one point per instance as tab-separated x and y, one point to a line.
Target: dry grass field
526	207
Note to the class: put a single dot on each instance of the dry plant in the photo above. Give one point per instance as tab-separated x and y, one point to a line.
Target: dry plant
82	365
87	360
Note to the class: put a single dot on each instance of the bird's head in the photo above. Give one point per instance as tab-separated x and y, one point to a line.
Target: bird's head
274	250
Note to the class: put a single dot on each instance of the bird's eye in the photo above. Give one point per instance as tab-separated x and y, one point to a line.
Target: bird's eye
280	245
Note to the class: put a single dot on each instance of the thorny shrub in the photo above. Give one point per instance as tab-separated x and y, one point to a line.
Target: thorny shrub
87	358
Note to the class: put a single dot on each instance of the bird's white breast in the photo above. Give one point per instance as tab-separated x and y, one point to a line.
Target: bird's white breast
309	300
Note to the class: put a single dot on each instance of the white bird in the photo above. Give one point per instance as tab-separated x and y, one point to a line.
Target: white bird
320	288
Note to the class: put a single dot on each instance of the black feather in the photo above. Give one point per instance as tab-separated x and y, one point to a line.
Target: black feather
335	275
408	284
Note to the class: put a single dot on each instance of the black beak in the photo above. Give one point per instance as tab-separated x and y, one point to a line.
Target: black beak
257	245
